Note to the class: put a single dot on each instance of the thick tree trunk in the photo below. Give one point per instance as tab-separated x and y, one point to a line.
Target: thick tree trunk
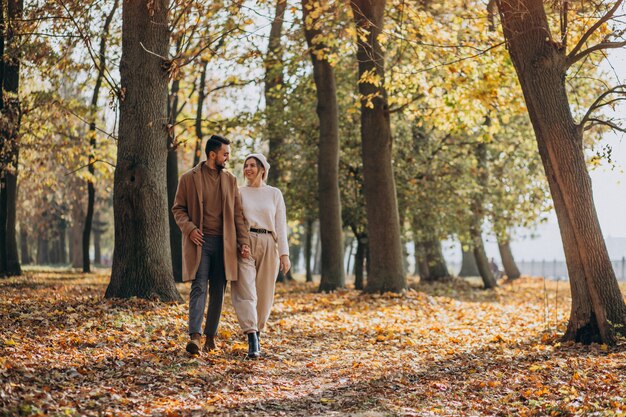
468	264
332	274
598	308
142	260
308	249
386	271
508	262
91	188
10	111
274	94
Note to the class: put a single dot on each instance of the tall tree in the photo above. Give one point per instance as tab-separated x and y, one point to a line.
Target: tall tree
476	233
91	189
274	92
508	261
332	273
11	115
386	269
141	261
541	61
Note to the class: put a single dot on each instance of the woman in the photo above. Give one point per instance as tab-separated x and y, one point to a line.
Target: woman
253	292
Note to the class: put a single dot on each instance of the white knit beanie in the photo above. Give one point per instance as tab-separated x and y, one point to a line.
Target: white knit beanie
261	158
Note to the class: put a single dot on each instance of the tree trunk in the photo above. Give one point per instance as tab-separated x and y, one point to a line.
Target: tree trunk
91	189
176	244
508	262
274	94
482	262
63	242
437	268
76	235
468	264
421	263
308	246
201	96
332	274
598	308
359	260
97	236
42	248
386	271
24	252
10	110
317	256
142	260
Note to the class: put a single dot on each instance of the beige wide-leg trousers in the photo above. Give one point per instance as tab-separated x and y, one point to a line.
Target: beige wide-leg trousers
253	292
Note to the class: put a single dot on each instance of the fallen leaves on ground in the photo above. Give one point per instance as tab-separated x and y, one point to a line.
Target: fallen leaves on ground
438	349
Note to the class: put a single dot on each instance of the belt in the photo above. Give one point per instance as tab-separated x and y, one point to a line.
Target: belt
253	230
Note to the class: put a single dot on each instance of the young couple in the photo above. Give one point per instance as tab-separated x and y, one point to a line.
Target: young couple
230	234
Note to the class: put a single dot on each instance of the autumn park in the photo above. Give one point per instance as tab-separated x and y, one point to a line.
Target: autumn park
310	208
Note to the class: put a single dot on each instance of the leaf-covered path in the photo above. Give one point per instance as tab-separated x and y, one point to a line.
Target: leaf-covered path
437	350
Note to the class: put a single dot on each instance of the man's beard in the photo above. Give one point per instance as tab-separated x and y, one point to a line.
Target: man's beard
220	167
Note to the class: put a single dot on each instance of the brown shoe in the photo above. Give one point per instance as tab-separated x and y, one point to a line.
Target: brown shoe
194	345
209	344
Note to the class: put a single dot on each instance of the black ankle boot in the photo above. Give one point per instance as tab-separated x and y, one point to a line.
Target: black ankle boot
258	342
253	346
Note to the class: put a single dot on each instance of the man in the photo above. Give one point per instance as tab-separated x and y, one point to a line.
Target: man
207	208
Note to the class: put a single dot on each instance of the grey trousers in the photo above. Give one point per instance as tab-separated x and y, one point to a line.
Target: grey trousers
210	275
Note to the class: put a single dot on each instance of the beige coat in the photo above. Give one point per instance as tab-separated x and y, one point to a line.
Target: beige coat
188	213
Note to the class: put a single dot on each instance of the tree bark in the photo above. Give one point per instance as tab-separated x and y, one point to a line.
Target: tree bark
332	273
91	188
24	252
176	244
274	93
308	249
437	268
142	260
476	222
201	97
386	271
359	261
9	137
42	248
508	262
598	308
468	264
421	264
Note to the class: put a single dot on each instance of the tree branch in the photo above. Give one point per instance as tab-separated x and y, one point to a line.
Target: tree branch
618	89
612	125
571	60
592	29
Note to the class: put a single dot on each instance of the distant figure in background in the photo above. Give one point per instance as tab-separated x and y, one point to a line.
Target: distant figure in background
495	269
264	209
207	208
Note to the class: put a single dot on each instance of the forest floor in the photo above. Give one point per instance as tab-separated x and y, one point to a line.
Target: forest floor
445	349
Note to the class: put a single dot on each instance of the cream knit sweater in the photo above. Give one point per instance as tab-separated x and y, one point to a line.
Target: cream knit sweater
264	208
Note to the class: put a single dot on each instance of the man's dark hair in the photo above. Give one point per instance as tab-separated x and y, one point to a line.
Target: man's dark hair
214	143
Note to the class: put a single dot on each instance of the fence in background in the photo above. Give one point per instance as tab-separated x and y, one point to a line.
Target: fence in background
552	269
